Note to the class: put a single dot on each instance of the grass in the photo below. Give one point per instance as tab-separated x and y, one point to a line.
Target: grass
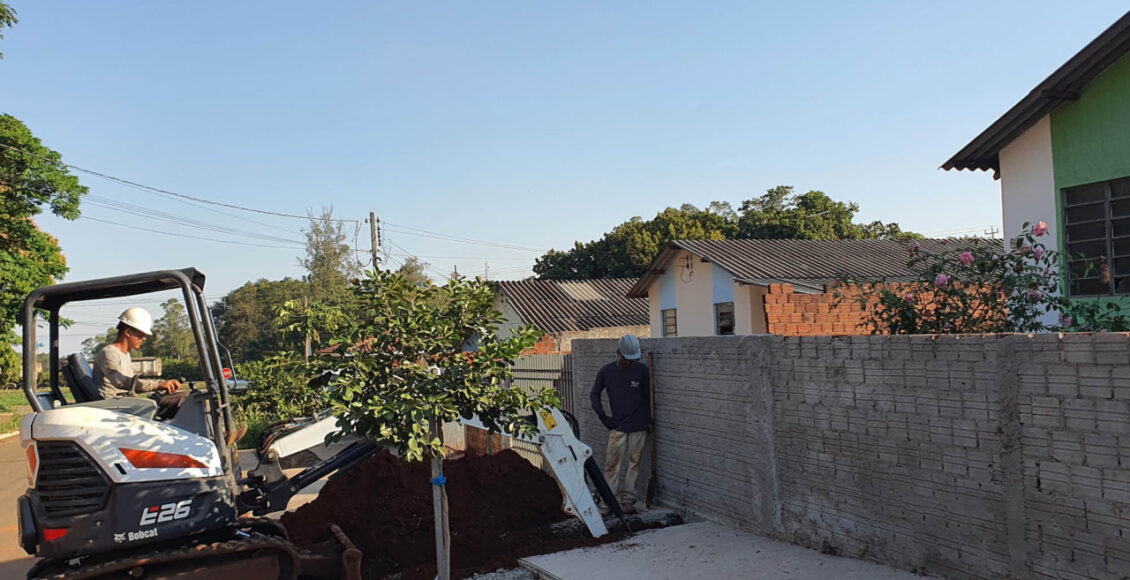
13	400
13	406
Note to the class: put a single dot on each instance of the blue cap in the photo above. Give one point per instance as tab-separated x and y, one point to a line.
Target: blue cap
629	347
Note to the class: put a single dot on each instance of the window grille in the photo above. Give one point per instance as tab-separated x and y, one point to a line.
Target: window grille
1097	222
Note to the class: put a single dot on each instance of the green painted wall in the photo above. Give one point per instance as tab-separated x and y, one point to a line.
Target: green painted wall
1091	141
1091	136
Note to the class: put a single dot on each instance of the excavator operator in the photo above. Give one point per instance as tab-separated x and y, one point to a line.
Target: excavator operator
113	367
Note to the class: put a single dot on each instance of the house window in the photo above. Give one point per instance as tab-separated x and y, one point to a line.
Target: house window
724	318
1097	220
669	326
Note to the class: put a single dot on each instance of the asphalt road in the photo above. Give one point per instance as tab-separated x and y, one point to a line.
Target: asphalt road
14	562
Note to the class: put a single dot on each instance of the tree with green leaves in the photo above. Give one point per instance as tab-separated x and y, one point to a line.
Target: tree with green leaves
32	179
310	320
172	334
245	318
7	20
630	248
782	215
415	271
414	357
92	345
330	262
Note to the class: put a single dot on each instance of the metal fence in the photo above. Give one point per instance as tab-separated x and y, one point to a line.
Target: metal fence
547	370
543	370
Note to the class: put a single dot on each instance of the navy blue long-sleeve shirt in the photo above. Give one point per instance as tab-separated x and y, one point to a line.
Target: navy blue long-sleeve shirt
629	394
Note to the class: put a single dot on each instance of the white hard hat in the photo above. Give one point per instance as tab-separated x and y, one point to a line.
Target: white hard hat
629	347
138	318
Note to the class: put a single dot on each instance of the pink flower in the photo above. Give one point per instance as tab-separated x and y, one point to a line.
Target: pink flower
1065	319
944	242
967	258
1035	294
909	298
941	280
1024	250
912	248
1037	252
1040	229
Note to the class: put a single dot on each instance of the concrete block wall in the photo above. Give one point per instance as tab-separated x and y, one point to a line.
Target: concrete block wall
888	449
971	456
713	424
1074	405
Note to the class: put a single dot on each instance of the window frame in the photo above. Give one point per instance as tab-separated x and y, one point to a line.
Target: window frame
1111	243
718	319
674	322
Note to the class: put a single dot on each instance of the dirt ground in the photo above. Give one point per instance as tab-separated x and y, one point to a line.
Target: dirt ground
501	509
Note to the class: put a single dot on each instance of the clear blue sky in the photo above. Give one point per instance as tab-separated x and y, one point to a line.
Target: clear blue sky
522	123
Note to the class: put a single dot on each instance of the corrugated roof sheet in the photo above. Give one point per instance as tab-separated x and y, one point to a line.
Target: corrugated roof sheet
806	264
557	306
1063	85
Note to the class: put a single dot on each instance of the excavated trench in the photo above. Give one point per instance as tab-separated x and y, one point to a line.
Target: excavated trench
501	509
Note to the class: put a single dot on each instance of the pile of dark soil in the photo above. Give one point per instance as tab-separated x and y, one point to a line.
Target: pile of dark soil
500	507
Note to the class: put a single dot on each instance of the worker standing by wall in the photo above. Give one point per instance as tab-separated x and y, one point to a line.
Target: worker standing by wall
628	385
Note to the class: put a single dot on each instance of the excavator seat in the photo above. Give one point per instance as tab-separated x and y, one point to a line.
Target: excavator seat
78	376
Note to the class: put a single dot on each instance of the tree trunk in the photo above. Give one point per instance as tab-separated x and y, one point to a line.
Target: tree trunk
439	508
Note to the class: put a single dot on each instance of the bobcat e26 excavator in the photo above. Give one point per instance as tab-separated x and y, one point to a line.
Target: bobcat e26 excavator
116	493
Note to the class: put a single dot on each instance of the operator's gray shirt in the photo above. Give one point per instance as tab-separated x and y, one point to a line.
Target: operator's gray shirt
113	373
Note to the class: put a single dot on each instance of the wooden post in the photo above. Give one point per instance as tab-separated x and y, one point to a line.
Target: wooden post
306	307
439	508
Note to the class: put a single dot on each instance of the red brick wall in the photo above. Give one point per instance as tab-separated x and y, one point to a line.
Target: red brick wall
476	441
793	314
547	344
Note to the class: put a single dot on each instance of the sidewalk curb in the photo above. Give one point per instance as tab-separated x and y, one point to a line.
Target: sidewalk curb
8	435
538	571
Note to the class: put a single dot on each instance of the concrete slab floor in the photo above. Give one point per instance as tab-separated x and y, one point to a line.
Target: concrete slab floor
703	550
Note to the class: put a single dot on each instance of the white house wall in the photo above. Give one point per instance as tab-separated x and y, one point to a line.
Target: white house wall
1028	182
742	309
758	322
694	290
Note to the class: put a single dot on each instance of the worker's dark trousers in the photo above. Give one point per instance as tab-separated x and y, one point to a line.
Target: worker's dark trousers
168	405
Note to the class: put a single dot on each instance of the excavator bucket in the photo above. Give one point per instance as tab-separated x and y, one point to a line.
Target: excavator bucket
334	558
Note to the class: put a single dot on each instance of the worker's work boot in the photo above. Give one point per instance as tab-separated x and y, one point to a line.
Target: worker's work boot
629	507
237	434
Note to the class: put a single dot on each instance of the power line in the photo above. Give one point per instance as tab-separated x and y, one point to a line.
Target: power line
472	258
162	191
141	211
185	235
129	183
429	234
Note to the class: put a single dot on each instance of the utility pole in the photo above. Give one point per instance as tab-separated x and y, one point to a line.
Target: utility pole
486	270
373	236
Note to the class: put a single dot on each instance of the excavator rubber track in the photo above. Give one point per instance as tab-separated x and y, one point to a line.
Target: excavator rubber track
253	557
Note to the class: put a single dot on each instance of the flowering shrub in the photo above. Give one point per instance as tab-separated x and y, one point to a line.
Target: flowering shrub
976	287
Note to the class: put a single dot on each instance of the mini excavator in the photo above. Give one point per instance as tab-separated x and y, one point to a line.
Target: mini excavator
115	492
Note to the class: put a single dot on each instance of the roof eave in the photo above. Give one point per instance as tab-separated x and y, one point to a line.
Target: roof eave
657	268
1063	85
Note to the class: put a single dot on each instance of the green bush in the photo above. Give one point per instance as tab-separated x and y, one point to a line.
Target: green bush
178	368
974	287
280	387
256	423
